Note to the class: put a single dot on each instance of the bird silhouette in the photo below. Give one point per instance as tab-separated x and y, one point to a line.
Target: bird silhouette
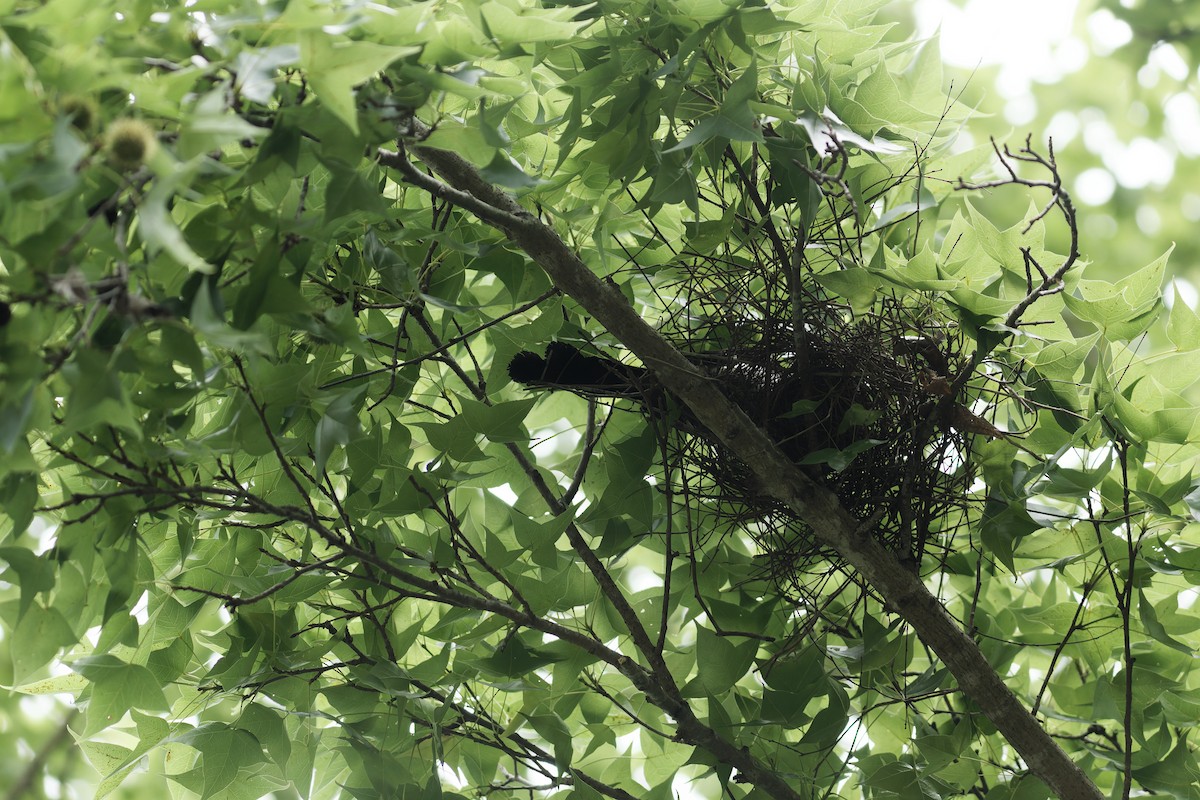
785	404
565	367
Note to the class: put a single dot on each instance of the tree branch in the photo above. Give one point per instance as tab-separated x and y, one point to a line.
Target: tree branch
33	770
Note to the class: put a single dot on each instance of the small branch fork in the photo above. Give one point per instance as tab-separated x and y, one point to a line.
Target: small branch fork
1046	283
824	175
462	184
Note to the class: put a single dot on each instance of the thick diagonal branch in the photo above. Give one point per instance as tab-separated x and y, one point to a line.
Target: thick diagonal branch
833	525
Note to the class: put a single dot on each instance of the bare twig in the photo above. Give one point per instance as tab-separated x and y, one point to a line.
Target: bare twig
1050	283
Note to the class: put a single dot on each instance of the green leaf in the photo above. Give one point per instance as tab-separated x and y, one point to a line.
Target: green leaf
466	140
883	96
336	65
394	272
157	227
1003	247
527	25
33	574
338	424
1124	309
857	285
1149	618
503	171
211	126
1175	775
37	638
14	418
736	121
70	684
116	688
1063	361
721	662
829	723
267	292
501	422
267	727
791	683
514	659
224	751
208	321
839	460
258	69
348	193
111	761
1183	325
551	728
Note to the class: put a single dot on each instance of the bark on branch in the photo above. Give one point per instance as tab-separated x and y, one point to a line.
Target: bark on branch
462	184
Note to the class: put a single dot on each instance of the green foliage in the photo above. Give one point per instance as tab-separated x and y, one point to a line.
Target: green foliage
273	516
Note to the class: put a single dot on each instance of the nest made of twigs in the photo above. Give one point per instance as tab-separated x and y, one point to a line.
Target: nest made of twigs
857	400
856	413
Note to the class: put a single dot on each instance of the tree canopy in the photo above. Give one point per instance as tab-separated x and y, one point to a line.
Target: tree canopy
883	490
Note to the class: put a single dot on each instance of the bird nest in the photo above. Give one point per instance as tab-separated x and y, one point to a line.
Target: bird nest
859	402
872	402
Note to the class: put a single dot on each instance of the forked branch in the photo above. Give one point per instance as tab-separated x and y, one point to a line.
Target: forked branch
1045	283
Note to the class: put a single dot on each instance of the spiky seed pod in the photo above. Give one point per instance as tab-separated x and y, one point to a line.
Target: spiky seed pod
81	111
129	143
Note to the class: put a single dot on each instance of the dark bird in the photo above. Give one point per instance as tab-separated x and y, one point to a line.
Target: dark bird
802	414
565	367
